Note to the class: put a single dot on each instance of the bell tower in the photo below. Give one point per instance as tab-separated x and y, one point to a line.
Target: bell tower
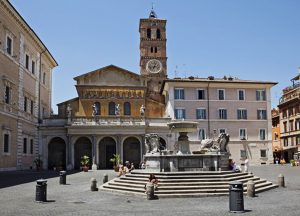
153	53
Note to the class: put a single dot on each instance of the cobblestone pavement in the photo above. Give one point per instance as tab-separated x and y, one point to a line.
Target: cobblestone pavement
75	198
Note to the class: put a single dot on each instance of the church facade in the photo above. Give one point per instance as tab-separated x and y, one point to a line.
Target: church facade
115	108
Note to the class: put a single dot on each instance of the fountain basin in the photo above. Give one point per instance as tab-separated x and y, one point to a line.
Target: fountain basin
187	162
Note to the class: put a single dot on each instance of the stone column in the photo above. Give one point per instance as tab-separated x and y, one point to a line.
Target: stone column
94	153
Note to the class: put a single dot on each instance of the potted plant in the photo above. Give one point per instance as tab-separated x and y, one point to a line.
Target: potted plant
38	163
293	162
85	161
116	160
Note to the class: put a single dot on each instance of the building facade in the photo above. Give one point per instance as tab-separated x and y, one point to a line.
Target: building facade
240	108
289	110
115	108
276	144
25	76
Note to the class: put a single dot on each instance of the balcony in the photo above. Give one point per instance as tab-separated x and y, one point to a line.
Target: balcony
290	95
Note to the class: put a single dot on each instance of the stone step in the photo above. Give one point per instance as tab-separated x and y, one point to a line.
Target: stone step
179	186
189	179
196	175
185	183
269	187
143	172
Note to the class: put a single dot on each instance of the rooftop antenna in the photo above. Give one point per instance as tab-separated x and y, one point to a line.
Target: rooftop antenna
184	70
152	5
176	72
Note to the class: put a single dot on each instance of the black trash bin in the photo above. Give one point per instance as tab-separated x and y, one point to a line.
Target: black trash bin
41	190
236	197
62	177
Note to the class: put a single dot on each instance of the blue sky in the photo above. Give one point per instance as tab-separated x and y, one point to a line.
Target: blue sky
249	39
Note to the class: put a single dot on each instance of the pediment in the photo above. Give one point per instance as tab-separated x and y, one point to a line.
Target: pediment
110	76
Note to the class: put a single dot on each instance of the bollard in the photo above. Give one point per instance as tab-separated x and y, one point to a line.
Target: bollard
281	181
105	178
62	177
150	191
251	189
94	184
41	190
236	197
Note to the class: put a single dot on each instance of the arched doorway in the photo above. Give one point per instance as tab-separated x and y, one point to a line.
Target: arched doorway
57	154
163	144
83	146
107	148
132	151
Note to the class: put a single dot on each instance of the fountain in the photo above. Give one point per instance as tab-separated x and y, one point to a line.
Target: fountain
210	157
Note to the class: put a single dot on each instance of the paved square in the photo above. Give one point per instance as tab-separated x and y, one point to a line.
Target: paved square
75	198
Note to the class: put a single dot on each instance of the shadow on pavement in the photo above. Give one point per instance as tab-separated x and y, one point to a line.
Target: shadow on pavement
12	178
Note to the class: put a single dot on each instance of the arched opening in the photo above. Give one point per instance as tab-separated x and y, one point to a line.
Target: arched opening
107	148
132	151
148	33
163	144
158	33
57	154
83	146
127	108
111	108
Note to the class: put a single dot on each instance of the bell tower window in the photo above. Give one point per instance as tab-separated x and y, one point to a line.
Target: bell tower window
151	49
148	33
158	34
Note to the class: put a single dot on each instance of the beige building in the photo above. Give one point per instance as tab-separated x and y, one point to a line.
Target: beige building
240	108
289	110
25	97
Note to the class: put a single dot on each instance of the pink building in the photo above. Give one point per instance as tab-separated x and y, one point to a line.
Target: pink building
240	108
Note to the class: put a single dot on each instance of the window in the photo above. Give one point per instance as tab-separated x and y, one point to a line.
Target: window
179	94
25	104
31	106
180	113
201	113
43	112
262	134
222	130
25	145
285	142
241	114
275	136
9	45
151	49
44	78
243	153
241	94
33	67
202	134
260	95
149	33
298	140
221	94
201	94
155	49
243	134
127	108
291	125
27	62
6	143
261	114
111	108
158	33
31	146
284	127
222	114
7	95
263	153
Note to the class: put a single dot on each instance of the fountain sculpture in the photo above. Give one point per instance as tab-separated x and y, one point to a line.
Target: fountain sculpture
212	156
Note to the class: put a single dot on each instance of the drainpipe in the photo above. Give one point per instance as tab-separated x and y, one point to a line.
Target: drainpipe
39	92
208	118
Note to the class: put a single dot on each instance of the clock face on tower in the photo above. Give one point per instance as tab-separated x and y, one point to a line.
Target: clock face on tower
154	66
